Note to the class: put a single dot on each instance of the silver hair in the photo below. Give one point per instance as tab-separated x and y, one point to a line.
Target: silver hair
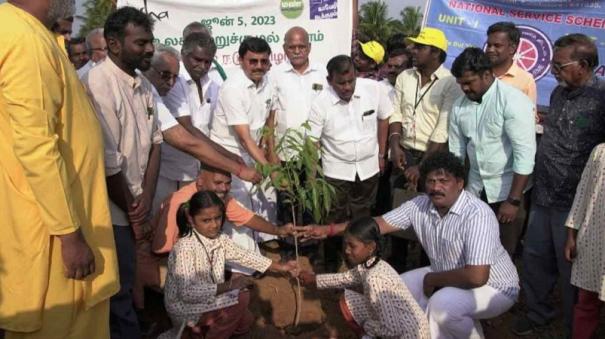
195	27
163	49
90	35
198	39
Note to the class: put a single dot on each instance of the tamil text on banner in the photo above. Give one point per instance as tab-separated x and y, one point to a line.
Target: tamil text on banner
541	23
329	23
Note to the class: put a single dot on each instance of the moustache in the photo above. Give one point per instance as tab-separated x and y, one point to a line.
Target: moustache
436	194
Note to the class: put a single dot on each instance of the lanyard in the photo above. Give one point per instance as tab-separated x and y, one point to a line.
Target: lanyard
418	100
207	256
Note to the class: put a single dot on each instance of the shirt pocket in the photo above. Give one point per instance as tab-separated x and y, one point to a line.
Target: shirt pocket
493	127
369	122
452	247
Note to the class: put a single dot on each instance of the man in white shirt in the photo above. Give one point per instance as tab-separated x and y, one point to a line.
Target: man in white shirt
244	103
350	121
127	113
216	71
191	99
297	83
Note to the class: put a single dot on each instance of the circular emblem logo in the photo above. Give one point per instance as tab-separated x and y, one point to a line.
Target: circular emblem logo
534	52
291	9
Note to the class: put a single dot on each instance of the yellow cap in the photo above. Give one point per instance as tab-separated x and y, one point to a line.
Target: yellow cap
431	37
374	50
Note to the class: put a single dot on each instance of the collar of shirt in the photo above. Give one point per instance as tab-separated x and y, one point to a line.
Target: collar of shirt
457	208
310	68
209	244
336	99
490	91
439	73
243	80
512	71
131	81
185	76
570	93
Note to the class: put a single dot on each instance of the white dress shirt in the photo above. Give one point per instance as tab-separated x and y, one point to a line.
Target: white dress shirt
84	69
390	89
348	131
184	100
241	102
128	116
165	119
294	93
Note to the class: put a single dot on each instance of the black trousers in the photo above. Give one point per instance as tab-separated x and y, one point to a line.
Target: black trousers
123	321
354	199
284	207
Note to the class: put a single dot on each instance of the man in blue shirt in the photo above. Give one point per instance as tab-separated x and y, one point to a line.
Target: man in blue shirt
493	124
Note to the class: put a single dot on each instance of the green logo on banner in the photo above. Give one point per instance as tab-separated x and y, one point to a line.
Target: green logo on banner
291	9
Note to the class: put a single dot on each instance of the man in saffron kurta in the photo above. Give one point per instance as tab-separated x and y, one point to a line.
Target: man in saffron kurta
53	194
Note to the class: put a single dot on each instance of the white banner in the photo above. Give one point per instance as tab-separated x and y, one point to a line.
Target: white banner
329	23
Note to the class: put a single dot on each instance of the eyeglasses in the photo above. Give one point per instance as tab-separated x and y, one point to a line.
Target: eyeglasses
99	49
165	75
558	68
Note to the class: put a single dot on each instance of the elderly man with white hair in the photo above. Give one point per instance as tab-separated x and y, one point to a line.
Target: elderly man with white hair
96	47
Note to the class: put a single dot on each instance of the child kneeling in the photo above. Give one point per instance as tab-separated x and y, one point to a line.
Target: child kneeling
384	307
200	303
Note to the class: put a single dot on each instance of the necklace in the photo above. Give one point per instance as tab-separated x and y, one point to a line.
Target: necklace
208	257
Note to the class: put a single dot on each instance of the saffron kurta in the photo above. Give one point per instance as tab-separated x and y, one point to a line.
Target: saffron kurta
52	182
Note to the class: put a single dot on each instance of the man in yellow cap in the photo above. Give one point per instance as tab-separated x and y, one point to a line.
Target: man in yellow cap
423	99
367	57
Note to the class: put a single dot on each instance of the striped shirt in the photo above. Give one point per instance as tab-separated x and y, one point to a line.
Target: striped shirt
467	235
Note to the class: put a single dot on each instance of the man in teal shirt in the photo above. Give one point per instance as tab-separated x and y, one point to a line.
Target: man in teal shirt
493	124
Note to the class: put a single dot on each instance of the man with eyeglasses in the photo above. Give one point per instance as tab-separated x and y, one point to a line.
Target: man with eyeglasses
96	48
574	125
244	103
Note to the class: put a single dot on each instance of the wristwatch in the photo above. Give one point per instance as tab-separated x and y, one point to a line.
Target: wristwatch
514	201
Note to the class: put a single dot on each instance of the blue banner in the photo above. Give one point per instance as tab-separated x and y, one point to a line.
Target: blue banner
541	23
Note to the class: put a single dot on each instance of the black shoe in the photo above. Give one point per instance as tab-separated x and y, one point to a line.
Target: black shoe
523	326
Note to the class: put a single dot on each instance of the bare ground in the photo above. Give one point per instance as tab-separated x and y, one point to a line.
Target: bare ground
273	303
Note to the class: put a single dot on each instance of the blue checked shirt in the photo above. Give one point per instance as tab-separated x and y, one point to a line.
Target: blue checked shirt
499	137
467	235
